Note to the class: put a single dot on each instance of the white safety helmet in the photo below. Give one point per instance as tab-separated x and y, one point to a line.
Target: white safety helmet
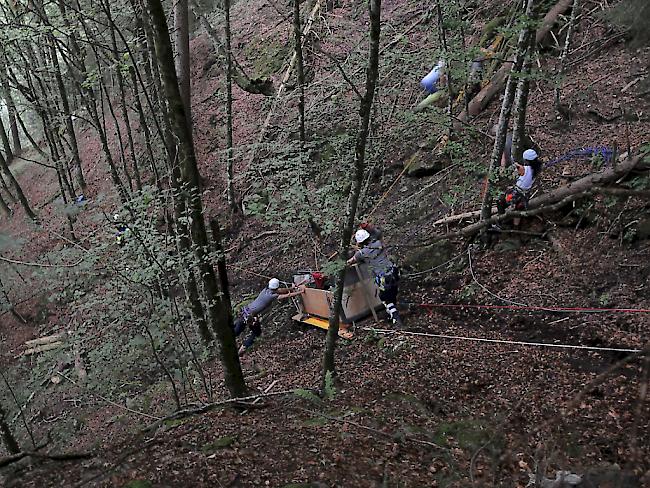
274	284
361	235
116	217
530	155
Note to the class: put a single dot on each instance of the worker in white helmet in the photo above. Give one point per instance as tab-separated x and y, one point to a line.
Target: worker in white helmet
385	273
251	314
517	195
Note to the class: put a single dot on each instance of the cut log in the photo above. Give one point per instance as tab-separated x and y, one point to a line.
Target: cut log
480	101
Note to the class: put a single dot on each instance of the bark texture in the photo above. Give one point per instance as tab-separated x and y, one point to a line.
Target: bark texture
220	314
365	110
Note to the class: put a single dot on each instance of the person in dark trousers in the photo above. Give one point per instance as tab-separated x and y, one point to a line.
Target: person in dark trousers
517	195
386	274
251	314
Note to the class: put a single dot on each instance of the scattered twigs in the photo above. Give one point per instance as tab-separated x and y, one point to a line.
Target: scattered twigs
266	390
107	400
188	412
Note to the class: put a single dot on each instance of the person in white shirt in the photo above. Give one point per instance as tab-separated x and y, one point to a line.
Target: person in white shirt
517	195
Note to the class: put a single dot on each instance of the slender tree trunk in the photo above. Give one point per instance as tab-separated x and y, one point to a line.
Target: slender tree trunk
521	103
3	205
11	105
9	154
372	73
29	136
67	116
300	72
182	60
443	41
4	167
8	438
125	112
229	140
6	188
144	126
572	22
506	107
220	313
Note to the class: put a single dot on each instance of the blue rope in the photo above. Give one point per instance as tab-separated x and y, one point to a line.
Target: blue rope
606	153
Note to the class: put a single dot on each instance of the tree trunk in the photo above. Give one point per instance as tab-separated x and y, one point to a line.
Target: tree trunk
29	136
572	22
300	72
450	93
144	126
67	115
229	140
9	154
521	104
14	183
3	205
11	105
125	112
7	436
220	314
365	110
7	190
506	106
182	45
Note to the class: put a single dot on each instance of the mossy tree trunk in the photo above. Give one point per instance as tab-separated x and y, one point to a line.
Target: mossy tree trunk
220	313
182	59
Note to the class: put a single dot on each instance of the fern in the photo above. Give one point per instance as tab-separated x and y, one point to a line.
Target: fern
308	395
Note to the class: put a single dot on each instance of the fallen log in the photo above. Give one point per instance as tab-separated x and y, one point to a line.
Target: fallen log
43	348
548	202
256	86
480	101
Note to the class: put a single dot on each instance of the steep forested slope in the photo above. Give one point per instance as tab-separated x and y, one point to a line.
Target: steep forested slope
422	406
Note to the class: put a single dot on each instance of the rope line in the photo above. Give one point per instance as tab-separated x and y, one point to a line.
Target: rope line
533	307
606	153
500	341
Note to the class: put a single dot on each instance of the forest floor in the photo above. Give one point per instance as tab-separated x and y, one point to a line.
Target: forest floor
408	410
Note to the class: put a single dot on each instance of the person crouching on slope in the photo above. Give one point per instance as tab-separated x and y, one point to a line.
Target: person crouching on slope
385	273
251	314
517	196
